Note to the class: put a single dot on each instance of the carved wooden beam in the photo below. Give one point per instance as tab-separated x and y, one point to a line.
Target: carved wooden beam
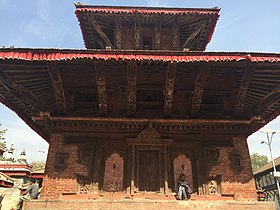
193	35
169	88
97	27
175	41
118	34
201	79
131	87
101	87
20	92
157	33
57	86
240	99
137	32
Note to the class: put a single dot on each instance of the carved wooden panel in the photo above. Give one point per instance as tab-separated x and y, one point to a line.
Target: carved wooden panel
235	161
201	79
157	33
169	88
113	175
212	155
137	34
148	170
175	41
131	87
240	99
101	87
182	165
55	76
60	162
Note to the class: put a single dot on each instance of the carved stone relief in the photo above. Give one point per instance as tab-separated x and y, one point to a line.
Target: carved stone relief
213	185
113	175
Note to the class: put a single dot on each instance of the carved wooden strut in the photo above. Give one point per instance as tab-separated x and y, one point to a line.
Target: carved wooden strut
169	88
118	34
57	86
131	87
101	87
240	99
201	79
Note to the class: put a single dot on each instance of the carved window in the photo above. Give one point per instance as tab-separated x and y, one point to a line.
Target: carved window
61	160
149	100
147	43
213	155
236	163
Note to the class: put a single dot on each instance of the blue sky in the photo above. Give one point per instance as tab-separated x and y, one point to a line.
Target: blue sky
244	25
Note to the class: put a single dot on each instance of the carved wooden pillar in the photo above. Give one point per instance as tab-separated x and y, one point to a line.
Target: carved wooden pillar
131	87
175	41
169	88
137	34
198	163
101	87
157	33
57	86
118	35
97	169
201	79
166	189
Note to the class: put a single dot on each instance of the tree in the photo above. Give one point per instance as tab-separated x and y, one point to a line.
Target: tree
258	161
2	138
38	164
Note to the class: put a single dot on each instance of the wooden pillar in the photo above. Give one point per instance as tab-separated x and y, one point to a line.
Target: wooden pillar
132	169
166	189
97	169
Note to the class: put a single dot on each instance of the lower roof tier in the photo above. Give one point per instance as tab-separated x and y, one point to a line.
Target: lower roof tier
182	86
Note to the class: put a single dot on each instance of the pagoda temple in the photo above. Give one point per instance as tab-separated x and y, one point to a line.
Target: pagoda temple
142	104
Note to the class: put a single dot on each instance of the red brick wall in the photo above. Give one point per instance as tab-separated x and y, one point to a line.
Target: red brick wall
241	184
57	182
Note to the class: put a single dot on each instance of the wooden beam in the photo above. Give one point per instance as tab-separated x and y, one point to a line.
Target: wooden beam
118	34
55	76
247	77
169	88
97	27
131	87
201	79
20	92
101	87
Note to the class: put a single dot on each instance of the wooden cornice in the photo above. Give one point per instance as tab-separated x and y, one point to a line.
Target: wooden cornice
97	27
131	87
201	79
57	86
169	89
20	92
101	87
240	99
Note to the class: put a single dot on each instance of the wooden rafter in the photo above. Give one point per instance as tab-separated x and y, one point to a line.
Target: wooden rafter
240	99
201	79
97	27
169	88
131	87
101	87
57	86
20	92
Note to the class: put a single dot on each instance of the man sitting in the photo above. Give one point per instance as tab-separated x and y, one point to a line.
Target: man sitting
184	190
33	191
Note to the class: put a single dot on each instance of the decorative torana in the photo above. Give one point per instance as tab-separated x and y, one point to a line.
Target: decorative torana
55	76
131	87
201	79
169	88
101	87
118	34
149	133
240	99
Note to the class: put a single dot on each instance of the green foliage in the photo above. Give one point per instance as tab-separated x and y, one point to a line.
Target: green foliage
2	138
38	164
258	161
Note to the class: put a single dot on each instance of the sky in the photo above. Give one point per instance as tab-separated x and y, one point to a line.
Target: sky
244	25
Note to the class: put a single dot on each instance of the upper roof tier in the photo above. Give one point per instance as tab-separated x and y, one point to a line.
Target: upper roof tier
146	28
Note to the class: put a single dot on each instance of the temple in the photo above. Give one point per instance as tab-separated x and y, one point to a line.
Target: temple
143	104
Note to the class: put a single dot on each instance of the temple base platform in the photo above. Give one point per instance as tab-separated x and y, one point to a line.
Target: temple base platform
144	201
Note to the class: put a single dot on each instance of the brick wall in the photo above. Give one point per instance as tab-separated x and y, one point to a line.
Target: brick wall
240	183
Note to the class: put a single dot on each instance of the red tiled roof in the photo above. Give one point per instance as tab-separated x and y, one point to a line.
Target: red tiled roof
167	56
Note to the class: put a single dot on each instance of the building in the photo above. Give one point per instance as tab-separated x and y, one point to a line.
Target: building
141	105
265	180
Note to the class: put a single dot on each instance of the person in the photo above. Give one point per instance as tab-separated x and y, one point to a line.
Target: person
184	190
33	191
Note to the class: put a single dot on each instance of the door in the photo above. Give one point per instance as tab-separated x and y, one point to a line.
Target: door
148	170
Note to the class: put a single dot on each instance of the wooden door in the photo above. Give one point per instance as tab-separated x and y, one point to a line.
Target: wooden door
148	170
